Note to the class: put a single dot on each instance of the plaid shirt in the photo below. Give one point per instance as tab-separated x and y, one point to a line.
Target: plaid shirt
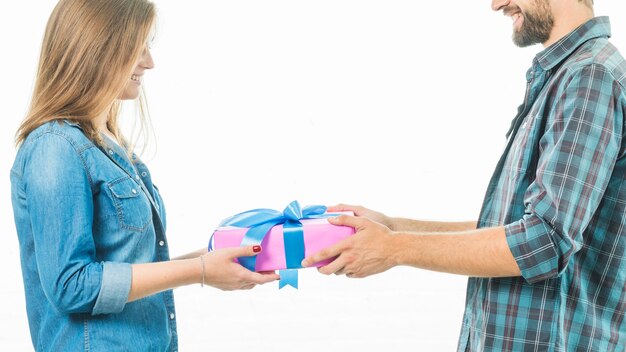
560	191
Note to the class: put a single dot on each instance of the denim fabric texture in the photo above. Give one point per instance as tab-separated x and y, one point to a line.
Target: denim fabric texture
84	214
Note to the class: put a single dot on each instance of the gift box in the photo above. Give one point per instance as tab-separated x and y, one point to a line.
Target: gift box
317	234
287	237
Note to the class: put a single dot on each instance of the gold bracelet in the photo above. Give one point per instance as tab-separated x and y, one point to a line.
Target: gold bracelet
202	262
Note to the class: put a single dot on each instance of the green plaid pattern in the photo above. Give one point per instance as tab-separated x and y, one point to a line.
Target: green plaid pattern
560	191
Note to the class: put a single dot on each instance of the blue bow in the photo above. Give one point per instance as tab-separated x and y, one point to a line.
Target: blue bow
261	221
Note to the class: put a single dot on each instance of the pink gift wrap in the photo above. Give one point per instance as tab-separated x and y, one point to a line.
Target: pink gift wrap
318	234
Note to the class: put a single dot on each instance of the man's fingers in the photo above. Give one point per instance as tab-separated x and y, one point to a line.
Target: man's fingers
334	267
340	207
348	220
324	254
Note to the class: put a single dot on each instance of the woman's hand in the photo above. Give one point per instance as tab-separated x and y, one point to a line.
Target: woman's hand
221	271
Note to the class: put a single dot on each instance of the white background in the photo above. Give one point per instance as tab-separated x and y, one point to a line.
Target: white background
400	106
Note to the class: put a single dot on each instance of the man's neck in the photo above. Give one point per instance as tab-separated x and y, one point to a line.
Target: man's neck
567	20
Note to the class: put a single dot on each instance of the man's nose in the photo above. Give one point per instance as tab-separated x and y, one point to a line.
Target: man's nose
496	5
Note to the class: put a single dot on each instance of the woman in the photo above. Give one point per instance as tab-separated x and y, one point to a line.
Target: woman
90	222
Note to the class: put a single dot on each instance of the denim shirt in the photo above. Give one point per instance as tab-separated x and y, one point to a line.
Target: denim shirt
84	214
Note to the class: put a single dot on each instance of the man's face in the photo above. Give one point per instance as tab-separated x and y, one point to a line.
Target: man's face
532	19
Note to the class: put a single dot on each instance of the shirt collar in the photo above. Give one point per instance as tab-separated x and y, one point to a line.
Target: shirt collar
73	124
554	54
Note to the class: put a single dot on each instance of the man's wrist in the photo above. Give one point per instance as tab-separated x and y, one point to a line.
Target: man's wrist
390	223
397	248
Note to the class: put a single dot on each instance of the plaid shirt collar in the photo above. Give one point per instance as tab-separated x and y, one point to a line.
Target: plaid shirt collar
555	54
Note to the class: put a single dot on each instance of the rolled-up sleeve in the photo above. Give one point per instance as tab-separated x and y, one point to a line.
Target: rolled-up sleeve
578	152
116	281
60	205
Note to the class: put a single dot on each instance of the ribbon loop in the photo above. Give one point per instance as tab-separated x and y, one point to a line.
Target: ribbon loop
293	211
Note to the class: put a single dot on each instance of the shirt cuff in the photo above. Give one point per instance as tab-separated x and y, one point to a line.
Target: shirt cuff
114	290
531	244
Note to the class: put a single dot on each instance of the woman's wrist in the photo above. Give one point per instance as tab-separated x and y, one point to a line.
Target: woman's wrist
191	270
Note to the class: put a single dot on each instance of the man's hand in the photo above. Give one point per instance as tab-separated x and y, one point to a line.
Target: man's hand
363	212
369	251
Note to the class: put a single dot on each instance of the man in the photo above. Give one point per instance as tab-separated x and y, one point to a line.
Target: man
546	260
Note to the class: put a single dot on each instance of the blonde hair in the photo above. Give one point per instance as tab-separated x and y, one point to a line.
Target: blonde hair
88	53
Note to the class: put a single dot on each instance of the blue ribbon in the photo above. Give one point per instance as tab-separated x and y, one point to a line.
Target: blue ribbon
260	221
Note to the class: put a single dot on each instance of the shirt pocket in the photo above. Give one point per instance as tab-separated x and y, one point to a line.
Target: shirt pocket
132	206
522	156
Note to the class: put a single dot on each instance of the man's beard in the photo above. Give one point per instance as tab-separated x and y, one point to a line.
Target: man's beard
536	27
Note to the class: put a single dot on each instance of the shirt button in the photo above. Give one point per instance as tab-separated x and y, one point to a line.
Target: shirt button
134	191
161	243
137	177
172	316
110	151
144	174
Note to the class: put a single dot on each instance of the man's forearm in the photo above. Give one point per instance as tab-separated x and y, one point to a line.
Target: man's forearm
479	253
402	224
